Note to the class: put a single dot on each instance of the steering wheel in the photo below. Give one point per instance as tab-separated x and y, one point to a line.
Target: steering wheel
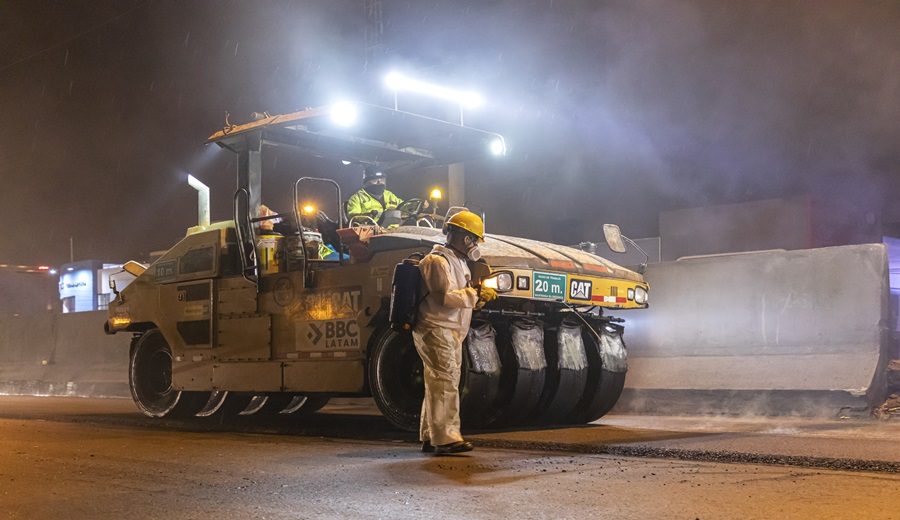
411	207
361	220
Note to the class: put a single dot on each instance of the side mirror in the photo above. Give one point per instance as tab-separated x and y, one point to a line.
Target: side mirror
613	238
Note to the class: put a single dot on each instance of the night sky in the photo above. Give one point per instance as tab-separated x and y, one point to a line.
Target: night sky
614	110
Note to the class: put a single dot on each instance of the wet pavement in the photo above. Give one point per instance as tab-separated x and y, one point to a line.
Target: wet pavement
860	444
97	458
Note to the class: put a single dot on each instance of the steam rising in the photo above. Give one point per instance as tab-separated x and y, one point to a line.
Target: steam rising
613	111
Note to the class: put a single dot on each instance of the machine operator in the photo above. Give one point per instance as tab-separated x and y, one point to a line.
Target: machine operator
374	197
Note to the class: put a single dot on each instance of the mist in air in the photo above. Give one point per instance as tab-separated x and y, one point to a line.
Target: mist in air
613	111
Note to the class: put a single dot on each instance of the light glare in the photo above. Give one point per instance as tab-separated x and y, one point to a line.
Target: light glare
344	113
466	98
498	147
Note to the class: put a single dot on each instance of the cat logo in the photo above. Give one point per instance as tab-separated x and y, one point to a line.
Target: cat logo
580	290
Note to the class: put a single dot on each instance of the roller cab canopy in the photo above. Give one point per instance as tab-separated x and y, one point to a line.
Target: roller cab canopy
379	135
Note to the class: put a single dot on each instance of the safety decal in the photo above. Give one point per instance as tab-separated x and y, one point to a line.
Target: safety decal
549	286
165	270
580	289
329	304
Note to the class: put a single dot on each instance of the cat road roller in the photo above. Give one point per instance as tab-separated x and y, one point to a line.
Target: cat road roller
241	317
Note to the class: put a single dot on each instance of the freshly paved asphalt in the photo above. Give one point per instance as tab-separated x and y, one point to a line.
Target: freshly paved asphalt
97	458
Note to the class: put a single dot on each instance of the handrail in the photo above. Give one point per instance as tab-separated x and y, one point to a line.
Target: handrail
248	261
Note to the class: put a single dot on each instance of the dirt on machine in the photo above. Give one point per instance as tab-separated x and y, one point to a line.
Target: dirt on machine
276	314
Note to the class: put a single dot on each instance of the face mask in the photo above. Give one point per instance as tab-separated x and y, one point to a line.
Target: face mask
376	190
473	252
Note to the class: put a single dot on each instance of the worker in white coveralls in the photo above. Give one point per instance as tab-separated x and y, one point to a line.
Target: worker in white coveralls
443	322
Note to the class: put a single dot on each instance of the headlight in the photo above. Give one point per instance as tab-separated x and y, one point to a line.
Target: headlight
640	295
500	282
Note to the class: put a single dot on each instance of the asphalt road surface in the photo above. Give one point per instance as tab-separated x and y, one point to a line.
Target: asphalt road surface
97	458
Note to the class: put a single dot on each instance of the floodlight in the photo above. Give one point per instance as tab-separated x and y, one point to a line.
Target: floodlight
498	146
466	98
344	113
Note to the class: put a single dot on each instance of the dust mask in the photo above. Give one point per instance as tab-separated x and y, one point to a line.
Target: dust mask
376	190
473	252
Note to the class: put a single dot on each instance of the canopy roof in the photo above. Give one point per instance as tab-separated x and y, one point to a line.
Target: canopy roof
380	135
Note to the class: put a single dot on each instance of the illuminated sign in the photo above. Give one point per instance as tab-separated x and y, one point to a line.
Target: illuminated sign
78	286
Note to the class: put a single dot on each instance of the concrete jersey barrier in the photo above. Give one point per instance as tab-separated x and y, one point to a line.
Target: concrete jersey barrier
62	354
803	332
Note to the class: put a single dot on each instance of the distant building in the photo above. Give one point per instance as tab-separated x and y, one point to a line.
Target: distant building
84	285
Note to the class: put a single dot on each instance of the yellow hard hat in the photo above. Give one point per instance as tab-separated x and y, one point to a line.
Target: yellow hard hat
468	221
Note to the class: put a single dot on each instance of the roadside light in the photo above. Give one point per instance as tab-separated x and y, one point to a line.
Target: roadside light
52	271
344	113
498	147
436	194
466	98
308	210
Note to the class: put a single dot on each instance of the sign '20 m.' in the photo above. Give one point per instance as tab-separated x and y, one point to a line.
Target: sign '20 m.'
550	286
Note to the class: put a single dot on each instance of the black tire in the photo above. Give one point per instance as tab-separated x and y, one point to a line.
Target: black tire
304	405
603	388
396	379
521	385
479	381
275	404
235	403
566	376
150	380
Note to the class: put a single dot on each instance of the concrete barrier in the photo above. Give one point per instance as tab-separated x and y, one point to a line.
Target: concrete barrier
69	354
801	332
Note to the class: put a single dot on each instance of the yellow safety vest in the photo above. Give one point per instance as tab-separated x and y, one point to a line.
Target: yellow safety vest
363	203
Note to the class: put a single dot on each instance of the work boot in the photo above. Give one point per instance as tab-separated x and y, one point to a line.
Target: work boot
427	447
453	447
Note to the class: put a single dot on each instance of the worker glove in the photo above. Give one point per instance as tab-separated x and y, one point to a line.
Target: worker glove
486	294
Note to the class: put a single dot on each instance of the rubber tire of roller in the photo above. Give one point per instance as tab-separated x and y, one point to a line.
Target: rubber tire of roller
150	352
235	403
558	380
610	389
600	395
313	404
397	388
477	393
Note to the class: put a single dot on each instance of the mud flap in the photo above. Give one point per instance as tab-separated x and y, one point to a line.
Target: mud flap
567	372
607	365
480	379
522	373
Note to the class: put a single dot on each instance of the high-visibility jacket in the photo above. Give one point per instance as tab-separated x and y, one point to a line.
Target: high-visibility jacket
363	203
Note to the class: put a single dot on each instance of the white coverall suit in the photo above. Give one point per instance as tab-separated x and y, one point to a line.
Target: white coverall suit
444	318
